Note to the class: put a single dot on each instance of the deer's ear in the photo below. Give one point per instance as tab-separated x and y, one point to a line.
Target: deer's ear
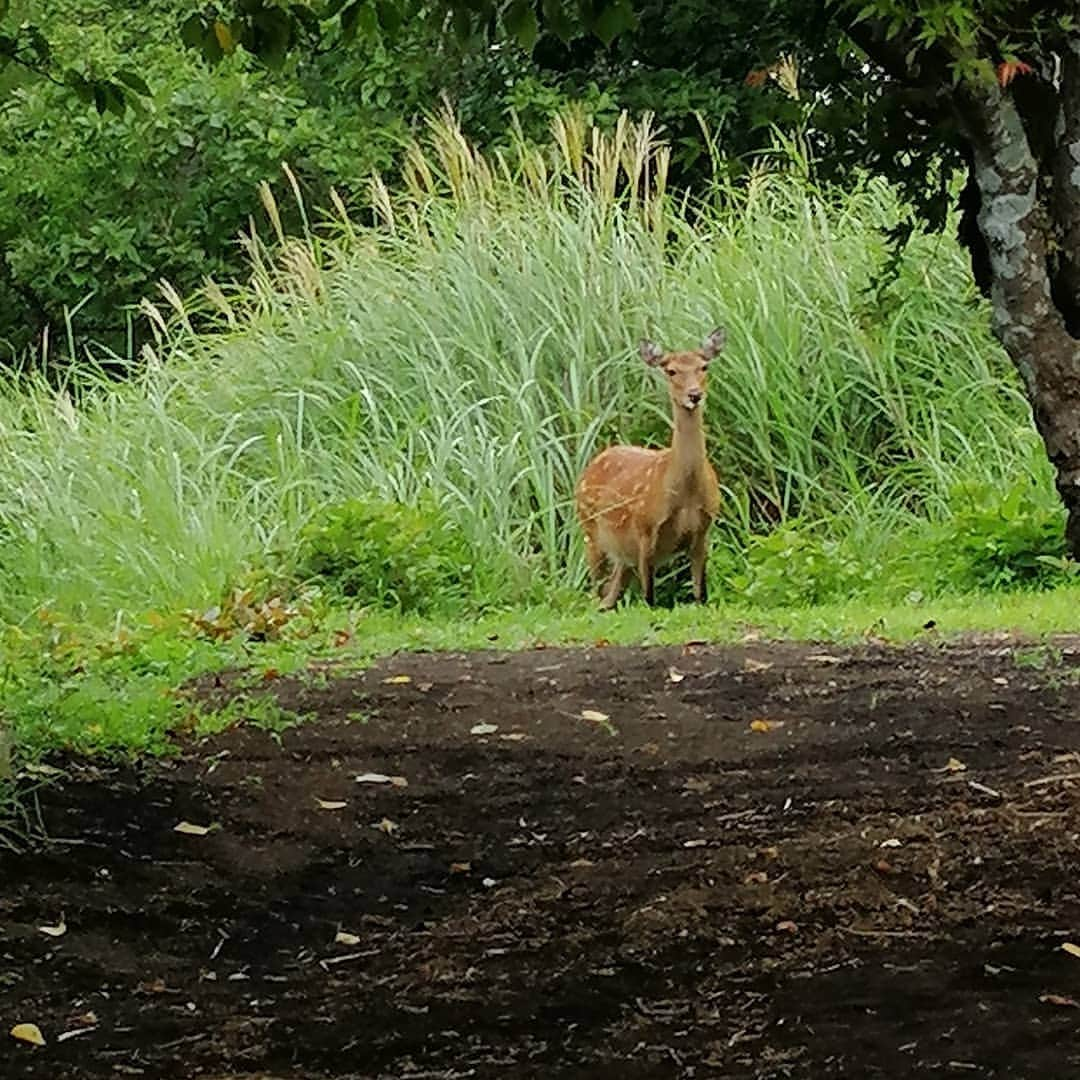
714	343
651	353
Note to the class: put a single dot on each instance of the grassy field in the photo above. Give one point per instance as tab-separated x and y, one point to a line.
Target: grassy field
378	445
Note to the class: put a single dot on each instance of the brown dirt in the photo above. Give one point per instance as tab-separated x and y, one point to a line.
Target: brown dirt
671	893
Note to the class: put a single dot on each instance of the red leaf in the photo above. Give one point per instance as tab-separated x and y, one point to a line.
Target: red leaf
1008	71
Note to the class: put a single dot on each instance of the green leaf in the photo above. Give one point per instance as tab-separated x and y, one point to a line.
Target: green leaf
350	19
615	19
463	26
133	82
274	35
520	21
193	31
390	16
558	20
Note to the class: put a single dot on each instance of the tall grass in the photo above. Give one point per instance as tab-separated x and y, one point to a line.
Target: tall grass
477	343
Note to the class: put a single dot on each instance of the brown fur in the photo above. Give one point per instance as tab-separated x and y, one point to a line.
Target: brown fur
637	506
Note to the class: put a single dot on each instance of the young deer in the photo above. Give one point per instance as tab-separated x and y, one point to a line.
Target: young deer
637	506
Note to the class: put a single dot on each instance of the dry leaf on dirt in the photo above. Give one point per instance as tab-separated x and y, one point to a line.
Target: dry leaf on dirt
331	804
483	729
762	725
59	930
954	765
594	717
1059	999
387	826
675	675
344	938
695	843
28	1033
893	841
398	680
787	927
514	736
188	829
1071	949
460	867
750	664
381	778
582	863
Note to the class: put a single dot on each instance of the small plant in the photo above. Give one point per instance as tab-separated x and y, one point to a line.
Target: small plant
794	566
388	555
997	542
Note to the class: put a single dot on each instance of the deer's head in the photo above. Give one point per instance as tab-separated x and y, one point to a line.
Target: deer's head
687	372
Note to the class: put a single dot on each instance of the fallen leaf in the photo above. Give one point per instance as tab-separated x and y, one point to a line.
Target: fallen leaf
29	1033
825	658
344	938
188	829
594	716
750	664
892	842
483	729
387	826
699	787
1071	949
381	778
87	1019
757	877
675	675
581	863
760	725
331	804
424	686
1000	680
489	883
695	843
59	930
460	867
787	927
514	736
1059	999
398	680
154	986
953	765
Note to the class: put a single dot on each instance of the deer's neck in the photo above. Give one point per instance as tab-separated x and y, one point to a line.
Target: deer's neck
687	448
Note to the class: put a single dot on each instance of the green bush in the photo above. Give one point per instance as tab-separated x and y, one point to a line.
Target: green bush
96	209
388	555
999	542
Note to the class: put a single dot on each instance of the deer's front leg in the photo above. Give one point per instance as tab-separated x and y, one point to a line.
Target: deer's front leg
699	551
647	568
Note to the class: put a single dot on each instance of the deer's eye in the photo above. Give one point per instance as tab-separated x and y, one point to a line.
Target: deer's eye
669	371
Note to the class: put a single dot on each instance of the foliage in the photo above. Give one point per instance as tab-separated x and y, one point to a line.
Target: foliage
96	208
386	554
476	344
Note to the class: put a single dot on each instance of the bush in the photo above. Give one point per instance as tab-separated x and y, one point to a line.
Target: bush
388	555
996	543
95	210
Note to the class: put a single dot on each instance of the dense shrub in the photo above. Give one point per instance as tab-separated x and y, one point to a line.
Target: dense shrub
384	554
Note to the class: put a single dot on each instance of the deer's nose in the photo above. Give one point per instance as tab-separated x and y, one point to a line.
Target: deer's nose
695	396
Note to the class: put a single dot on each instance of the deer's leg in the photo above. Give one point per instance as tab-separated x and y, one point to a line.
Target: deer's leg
699	551
595	558
616	584
647	574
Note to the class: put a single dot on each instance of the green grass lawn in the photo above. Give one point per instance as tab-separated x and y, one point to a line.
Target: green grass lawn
81	689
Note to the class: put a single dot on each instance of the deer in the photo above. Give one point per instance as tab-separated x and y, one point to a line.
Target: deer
638	506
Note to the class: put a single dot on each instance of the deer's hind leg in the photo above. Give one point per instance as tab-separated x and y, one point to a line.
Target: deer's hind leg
614	589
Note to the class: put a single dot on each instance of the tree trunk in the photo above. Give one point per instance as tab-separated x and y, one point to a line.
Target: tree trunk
1018	222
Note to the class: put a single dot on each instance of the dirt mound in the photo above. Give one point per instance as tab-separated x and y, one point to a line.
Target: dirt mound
769	861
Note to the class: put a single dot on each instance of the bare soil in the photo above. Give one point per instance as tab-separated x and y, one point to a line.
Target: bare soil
775	861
